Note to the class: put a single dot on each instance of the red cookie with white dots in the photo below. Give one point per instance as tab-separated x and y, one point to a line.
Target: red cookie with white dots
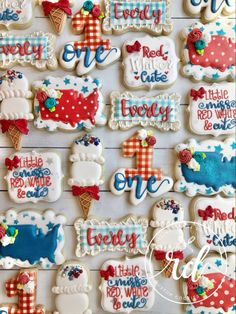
68	103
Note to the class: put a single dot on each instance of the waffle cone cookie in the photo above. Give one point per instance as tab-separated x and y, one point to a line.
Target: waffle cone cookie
15	136
58	19
86	201
168	268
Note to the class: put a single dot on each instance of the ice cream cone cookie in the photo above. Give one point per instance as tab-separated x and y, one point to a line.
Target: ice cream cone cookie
168	238
142	179
57	11
86	171
72	288
93	50
15	106
24	287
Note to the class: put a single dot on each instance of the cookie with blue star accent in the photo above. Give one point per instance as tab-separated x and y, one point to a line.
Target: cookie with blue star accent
206	167
209	51
211	288
29	238
68	103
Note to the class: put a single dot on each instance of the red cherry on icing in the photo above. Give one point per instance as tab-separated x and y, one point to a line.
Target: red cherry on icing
185	156
2	232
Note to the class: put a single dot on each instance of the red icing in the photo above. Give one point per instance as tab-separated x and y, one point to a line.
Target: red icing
136	47
221	299
61	4
27	48
144	157
20	124
200	93
72	108
92	190
185	156
12	163
216	214
92	32
161	255
219	53
110	272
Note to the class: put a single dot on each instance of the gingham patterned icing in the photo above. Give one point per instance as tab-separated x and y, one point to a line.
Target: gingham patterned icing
92	31
130	225
153	6
14	40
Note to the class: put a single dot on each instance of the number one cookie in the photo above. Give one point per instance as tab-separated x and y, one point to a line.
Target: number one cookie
23	286
93	50
143	179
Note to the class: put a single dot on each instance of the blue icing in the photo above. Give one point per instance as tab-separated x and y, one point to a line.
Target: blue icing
32	244
216	171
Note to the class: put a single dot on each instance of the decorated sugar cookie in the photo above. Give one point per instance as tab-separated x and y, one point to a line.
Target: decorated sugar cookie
143	179
131	15
24	287
15	106
136	293
36	49
212	109
95	236
216	218
57	11
160	111
168	221
209	51
72	287
34	177
149	62
209	9
22	232
86	170
68	103
206	167
16	14
93	50
212	290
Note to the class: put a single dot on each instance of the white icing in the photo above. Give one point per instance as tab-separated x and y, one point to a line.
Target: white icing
146	273
168	233
206	229
41	220
136	63
198	72
201	117
51	163
204	8
76	83
72	295
23	9
87	165
191	188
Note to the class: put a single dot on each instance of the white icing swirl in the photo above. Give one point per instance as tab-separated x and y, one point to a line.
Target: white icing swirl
72	182
167	224
87	157
71	290
16	116
16	93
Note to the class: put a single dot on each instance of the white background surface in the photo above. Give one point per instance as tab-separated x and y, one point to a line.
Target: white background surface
109	206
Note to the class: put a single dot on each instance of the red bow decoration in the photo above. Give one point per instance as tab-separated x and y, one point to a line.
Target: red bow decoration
195	94
12	163
61	4
133	48
161	255
92	190
110	272
21	124
207	213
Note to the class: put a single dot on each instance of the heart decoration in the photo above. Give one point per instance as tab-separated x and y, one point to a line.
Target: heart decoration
137	77
209	241
18	11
